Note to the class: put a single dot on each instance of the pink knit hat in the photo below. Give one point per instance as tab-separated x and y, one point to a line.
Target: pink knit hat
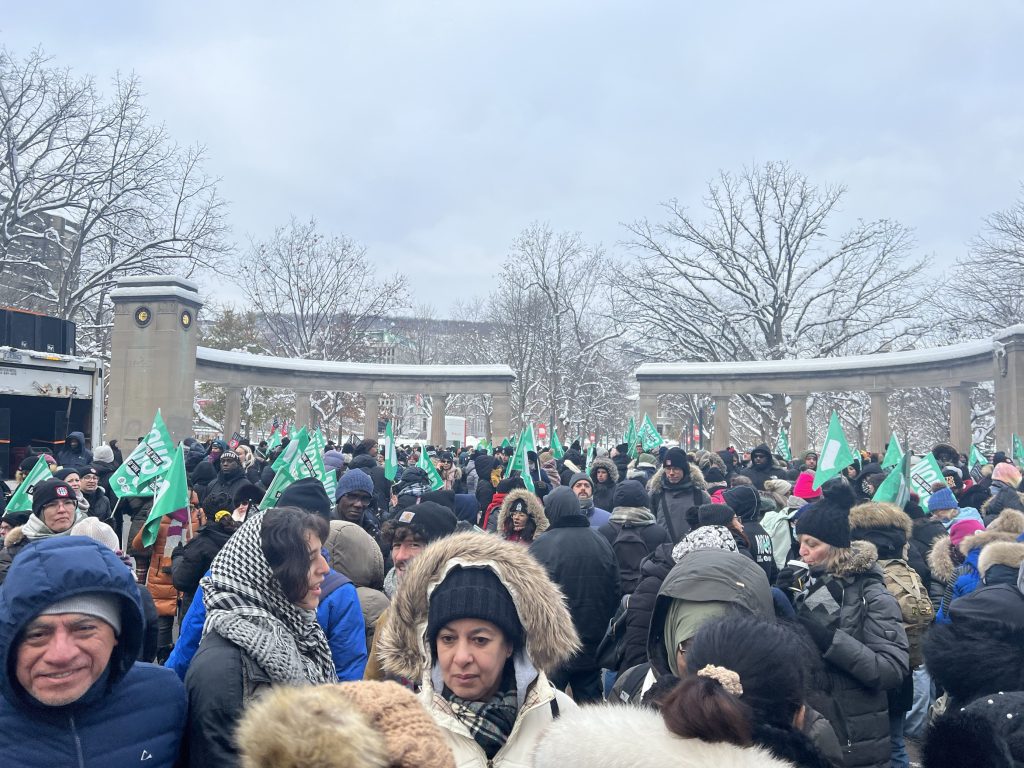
803	487
1007	473
962	529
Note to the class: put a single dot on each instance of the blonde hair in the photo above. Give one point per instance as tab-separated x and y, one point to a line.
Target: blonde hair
245	457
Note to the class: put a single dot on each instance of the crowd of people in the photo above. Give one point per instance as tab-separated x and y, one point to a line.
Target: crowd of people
637	609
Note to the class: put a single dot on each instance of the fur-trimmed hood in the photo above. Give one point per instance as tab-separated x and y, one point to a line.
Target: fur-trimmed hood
609	736
941	562
1009	521
606	464
533	508
14	537
551	637
696	477
877	514
1008	553
860	558
708	459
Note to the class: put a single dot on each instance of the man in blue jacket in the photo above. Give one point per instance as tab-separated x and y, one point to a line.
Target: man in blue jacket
74	692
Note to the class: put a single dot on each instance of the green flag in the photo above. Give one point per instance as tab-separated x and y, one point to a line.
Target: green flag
1018	451
171	496
630	435
296	445
782	445
893	453
21	501
557	449
976	462
506	443
293	464
520	461
150	460
315	452
895	489
591	455
436	481
390	457
924	474
273	441
649	437
836	454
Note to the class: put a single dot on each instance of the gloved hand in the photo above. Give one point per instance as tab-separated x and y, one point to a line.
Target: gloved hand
821	635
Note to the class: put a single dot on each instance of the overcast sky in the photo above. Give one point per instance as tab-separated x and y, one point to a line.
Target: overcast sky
434	132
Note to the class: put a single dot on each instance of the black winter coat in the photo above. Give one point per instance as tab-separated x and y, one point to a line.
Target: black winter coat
99	506
622	463
190	563
227	483
670	503
640	604
381	484
583	564
221	681
484	465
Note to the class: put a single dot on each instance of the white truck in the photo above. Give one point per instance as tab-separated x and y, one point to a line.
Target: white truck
43	397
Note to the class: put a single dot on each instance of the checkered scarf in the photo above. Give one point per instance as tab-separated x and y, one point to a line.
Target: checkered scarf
245	605
489	722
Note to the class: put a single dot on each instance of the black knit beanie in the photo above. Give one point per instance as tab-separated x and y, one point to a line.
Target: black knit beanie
829	519
630	493
715	514
473	593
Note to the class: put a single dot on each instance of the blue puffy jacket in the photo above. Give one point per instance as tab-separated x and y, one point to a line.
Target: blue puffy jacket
133	715
70	456
339	615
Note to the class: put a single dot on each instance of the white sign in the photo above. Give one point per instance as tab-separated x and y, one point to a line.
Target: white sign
43	382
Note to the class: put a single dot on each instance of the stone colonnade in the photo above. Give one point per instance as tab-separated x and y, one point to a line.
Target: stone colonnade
155	362
956	368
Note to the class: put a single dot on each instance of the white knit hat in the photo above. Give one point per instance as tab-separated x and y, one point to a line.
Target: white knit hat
102	605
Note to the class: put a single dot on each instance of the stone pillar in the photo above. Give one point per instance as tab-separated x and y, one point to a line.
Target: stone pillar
152	357
232	412
879	421
303	409
720	437
647	405
371	416
1009	385
501	418
798	425
960	434
437	410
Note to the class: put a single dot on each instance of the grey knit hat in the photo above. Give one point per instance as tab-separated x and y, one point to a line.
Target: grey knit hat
101	605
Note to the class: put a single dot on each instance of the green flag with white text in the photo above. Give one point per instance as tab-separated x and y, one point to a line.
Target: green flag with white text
895	489
21	501
923	475
150	460
436	481
836	454
520	459
893	453
1018	451
782	445
171	496
390	455
650	438
557	449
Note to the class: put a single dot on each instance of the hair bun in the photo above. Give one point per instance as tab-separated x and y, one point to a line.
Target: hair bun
724	677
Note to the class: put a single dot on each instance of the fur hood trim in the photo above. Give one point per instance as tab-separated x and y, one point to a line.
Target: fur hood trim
1008	553
533	508
878	514
606	736
992	500
983	538
860	558
365	724
14	537
940	562
606	464
708	459
1010	521
696	477
551	637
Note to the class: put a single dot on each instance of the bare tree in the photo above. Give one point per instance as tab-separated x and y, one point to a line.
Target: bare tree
762	277
91	191
315	297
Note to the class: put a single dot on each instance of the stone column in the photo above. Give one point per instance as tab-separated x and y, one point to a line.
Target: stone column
879	421
152	357
303	409
501	418
960	434
647	405
1009	381
720	437
437	410
371	418
232	412
798	425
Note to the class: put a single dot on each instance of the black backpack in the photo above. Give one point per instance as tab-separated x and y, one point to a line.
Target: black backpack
630	550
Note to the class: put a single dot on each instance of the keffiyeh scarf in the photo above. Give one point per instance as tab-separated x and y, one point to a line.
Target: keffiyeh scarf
705	537
490	722
245	605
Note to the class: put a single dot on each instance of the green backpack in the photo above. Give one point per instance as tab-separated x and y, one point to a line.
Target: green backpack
904	583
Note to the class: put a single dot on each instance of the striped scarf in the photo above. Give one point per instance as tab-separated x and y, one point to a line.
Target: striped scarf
489	722
245	605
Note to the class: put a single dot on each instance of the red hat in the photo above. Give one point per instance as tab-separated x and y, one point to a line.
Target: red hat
803	488
962	529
